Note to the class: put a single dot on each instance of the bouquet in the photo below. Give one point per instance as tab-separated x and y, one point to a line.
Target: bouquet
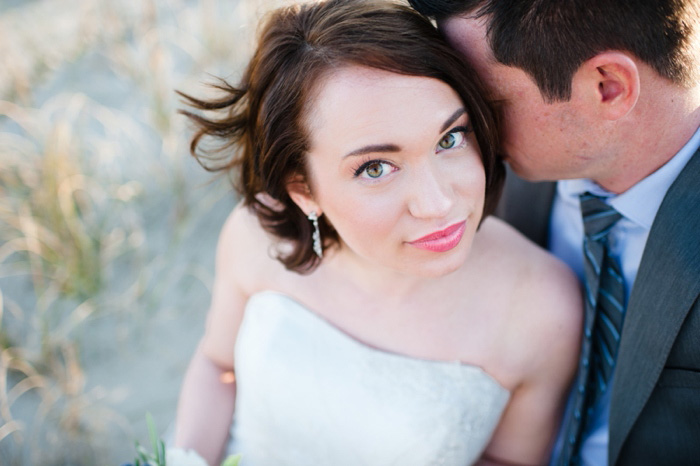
171	457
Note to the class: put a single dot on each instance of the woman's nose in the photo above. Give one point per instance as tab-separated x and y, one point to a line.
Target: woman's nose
430	193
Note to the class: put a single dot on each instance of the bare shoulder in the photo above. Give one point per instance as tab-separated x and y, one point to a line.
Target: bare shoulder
244	253
540	335
520	259
545	302
498	237
242	266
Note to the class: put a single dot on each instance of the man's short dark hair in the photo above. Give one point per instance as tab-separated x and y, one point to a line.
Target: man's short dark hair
550	39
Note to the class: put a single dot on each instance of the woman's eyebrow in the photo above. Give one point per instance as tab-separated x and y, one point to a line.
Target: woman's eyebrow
374	148
452	119
378	148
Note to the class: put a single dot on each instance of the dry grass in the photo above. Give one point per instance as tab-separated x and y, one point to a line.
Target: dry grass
106	233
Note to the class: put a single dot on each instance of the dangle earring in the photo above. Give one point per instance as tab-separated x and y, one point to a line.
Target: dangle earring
316	237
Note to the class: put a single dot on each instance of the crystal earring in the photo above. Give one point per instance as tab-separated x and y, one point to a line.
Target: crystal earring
316	237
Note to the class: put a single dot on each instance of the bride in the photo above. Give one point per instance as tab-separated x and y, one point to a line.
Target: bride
370	312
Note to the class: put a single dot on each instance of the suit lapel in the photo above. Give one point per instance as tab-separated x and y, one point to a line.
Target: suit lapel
666	286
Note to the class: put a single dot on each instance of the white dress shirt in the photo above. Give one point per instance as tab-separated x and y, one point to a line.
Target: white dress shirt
638	206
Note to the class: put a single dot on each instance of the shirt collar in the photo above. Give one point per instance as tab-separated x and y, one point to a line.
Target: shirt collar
641	202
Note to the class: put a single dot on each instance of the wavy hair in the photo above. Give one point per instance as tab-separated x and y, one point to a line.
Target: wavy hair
260	123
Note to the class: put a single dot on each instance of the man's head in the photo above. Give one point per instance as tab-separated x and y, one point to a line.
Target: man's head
569	73
550	39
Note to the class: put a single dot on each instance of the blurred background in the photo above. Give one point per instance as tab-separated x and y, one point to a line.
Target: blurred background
107	226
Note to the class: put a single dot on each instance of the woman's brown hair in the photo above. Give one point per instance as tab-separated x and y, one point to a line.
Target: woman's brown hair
262	133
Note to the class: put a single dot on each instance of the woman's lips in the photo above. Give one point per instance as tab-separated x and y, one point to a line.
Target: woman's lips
442	240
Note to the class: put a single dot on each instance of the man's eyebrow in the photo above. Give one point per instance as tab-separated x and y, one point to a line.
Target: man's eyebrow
374	148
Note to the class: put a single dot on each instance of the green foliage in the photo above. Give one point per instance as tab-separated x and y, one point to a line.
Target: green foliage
143	457
158	457
232	460
97	192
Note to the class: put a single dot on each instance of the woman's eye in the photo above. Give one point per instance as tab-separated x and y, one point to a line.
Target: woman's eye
374	169
453	139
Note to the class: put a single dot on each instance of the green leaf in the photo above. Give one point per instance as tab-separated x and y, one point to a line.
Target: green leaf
153	434
161	452
142	453
232	460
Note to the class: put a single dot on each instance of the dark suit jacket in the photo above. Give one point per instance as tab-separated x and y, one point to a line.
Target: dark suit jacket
655	404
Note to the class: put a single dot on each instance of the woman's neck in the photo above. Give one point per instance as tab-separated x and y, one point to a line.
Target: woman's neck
376	282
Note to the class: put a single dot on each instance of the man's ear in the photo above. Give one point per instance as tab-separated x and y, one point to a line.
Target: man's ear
300	192
611	79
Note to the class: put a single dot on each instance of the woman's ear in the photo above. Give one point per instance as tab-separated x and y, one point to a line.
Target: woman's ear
611	79
300	192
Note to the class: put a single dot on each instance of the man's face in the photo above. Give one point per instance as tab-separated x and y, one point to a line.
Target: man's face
541	141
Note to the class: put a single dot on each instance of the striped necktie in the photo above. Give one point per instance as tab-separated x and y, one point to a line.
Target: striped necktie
605	305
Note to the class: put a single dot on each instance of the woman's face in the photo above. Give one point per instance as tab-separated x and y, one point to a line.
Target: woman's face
396	169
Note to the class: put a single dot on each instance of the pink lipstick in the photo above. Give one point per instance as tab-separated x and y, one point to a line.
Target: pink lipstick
442	240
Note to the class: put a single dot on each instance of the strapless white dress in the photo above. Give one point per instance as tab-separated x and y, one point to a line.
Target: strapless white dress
309	394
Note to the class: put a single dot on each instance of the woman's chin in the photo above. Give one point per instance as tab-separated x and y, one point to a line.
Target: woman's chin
442	265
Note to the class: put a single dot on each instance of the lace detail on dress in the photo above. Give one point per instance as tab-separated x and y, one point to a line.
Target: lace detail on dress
308	394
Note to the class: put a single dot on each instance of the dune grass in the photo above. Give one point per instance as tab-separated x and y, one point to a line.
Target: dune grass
107	227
